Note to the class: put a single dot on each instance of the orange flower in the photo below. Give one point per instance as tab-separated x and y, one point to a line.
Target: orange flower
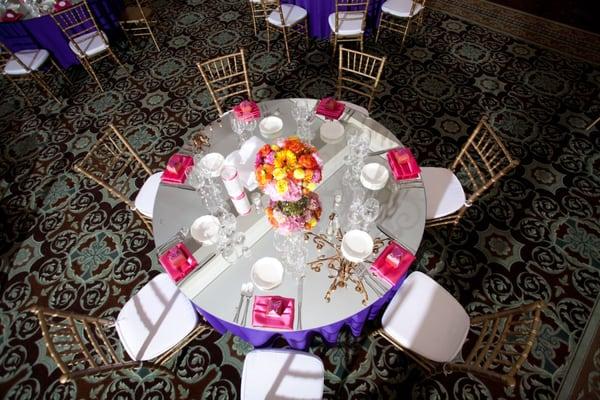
266	149
307	161
295	146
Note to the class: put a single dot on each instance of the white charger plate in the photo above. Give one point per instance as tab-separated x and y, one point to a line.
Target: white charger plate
357	245
205	229
267	273
270	126
331	131
374	176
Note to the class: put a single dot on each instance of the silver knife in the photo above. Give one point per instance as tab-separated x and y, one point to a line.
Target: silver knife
299	300
376	153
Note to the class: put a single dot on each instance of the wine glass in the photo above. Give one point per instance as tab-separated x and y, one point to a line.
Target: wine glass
238	127
371	209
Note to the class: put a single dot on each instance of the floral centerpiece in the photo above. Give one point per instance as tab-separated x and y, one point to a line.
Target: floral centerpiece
288	172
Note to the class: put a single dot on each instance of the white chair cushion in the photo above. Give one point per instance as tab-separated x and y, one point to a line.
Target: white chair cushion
90	43
154	320
350	23
356	107
424	318
282	374
144	201
400	8
291	14
33	59
443	192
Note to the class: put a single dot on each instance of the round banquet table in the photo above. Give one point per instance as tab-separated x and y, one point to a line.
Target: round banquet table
319	10
43	33
214	286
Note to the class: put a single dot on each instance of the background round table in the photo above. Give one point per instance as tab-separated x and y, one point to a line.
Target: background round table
215	287
319	10
43	33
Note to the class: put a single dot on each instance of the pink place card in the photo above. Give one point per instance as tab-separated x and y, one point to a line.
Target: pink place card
392	263
403	164
61	5
176	168
247	111
273	312
11	16
330	108
178	261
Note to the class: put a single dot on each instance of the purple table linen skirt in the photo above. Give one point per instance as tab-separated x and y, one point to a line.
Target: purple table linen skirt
301	339
42	32
319	10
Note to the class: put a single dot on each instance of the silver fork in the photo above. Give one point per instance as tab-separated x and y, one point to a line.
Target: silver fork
177	237
248	294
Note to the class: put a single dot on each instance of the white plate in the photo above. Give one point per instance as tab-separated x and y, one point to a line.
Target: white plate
357	245
374	176
270	126
332	131
213	163
267	273
205	229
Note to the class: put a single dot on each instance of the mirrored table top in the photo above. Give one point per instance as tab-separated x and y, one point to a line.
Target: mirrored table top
214	286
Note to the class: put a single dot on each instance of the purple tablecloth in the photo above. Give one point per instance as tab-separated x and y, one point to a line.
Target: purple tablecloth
319	10
301	339
42	32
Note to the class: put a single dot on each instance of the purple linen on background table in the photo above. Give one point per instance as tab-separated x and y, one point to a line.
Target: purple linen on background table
319	10
42	32
301	339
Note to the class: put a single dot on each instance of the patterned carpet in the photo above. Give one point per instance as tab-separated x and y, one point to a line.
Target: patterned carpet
67	244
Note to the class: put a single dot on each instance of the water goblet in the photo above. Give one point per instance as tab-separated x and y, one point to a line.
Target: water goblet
371	210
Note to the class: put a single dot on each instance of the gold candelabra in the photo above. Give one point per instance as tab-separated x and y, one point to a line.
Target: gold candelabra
341	271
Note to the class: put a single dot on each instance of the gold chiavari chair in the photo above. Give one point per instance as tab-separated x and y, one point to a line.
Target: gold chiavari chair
347	23
481	162
359	73
152	327
226	77
259	14
288	19
115	165
590	126
398	15
86	40
497	344
25	65
136	20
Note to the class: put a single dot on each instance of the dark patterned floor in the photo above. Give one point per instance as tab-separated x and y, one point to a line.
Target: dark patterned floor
67	244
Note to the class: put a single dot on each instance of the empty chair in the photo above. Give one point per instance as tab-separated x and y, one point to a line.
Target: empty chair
288	19
398	15
86	40
359	73
152	327
115	165
226	77
137	18
347	23
427	323
282	374
481	162
27	65
259	13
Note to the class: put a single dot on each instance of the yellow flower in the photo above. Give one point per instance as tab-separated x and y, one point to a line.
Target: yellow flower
280	157
281	186
279	173
299	174
290	158
274	147
312	223
311	186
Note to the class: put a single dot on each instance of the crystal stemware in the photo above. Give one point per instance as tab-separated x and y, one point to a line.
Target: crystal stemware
371	210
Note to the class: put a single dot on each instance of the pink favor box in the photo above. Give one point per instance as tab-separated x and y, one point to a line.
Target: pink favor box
178	261
273	312
334	113
393	263
176	168
247	115
403	164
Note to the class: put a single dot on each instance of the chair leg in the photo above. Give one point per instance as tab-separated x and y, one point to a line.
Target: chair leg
306	33
268	39
287	50
334	44
153	37
361	43
253	12
45	87
90	70
21	92
60	71
113	55
379	27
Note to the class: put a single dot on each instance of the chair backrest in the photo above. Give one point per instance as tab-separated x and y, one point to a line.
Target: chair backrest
77	21
115	165
226	77
351	10
504	340
482	160
359	73
268	6
79	344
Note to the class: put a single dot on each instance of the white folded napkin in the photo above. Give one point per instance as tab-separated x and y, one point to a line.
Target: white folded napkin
243	160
